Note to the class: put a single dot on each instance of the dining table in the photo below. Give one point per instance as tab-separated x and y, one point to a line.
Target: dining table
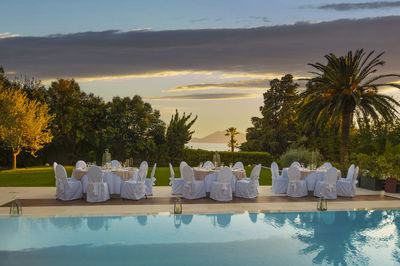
210	175
312	175
112	176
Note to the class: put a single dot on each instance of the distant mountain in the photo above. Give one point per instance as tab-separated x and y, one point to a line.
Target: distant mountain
219	137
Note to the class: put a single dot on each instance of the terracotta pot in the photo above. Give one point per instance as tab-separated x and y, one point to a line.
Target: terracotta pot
391	185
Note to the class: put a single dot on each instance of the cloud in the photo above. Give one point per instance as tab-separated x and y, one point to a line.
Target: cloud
273	49
261	18
252	84
207	96
7	35
365	5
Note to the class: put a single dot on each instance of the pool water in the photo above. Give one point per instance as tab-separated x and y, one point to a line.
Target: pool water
337	238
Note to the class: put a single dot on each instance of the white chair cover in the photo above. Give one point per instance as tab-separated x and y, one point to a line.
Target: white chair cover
350	173
54	168
151	181
296	164
347	188
238	165
115	164
279	182
175	183
80	164
325	166
97	189
313	178
221	190
247	188
296	187
327	187
193	189
113	182
66	188
208	164
135	189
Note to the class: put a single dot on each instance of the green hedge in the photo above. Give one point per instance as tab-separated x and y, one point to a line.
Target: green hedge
194	157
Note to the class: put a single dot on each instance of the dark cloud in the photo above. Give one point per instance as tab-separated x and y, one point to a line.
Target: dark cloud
365	5
241	84
206	96
275	49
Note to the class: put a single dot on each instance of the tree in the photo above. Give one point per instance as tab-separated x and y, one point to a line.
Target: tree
231	133
277	127
178	134
24	123
345	87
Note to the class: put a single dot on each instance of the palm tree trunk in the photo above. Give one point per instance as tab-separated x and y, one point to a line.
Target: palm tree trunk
232	144
344	145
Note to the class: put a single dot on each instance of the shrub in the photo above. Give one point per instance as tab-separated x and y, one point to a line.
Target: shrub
194	157
300	154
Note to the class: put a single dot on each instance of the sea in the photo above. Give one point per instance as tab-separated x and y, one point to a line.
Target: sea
209	146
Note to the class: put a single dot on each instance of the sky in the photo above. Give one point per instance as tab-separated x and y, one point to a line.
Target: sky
210	58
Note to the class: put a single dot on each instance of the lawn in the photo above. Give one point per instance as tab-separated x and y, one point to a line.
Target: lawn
44	176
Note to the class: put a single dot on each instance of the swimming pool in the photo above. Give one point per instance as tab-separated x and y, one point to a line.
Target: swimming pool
352	237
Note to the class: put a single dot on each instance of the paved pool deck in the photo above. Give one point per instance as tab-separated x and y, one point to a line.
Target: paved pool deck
41	202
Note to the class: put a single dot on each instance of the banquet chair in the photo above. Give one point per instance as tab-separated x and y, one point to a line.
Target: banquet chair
347	187
325	166
192	189
150	181
97	189
115	164
80	164
247	188
54	168
238	165
297	164
181	165
327	187
221	190
135	188
66	188
208	164
175	183
297	187
279	182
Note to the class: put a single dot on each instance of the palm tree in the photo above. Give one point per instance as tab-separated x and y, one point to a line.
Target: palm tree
232	132
345	86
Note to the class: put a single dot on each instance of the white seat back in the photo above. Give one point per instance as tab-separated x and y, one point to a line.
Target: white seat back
255	173
171	169
61	174
80	164
325	166
208	164
187	174
153	171
274	170
350	173
144	167
95	175
225	175
181	165
330	176
355	176
115	164
294	173
239	165
54	167
297	164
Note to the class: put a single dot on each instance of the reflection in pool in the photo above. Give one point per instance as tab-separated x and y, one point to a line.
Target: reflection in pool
338	238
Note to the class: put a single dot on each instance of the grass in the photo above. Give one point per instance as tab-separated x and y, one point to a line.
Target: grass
44	176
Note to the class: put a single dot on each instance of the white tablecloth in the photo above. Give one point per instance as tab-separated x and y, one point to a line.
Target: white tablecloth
211	175
113	177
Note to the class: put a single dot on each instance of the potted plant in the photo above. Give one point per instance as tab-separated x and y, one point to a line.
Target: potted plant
370	181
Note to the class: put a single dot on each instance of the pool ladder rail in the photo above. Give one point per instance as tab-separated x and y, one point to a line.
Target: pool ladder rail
15	208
